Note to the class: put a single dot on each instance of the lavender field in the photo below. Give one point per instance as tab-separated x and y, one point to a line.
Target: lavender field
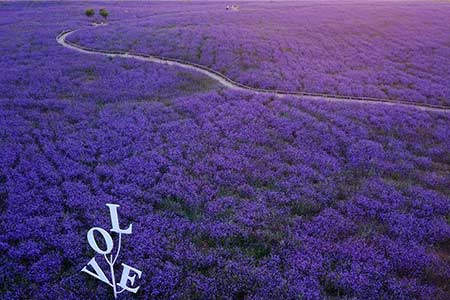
395	51
233	194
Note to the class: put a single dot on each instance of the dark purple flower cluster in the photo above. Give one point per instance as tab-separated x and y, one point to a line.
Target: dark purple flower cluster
232	195
385	50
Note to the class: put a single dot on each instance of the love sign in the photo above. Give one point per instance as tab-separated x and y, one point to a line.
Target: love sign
128	277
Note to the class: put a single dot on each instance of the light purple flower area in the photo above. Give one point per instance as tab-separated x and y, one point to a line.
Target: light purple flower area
387	50
232	195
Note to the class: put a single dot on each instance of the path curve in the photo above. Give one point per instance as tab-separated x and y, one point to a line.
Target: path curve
231	84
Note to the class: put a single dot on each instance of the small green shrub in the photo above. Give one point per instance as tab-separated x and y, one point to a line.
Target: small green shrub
103	12
90	12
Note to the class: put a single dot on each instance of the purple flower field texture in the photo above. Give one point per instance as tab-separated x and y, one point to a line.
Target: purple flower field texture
395	51
232	194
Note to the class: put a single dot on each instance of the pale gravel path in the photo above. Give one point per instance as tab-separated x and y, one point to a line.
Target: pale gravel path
231	84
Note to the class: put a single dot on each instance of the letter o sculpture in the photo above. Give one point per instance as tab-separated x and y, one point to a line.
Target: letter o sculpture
106	237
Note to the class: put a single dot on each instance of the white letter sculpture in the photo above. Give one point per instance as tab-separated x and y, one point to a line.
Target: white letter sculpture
97	271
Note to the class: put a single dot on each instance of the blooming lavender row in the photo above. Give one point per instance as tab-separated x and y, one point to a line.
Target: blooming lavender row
231	195
397	51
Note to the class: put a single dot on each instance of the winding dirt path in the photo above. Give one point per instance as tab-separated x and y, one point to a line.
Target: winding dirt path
231	84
